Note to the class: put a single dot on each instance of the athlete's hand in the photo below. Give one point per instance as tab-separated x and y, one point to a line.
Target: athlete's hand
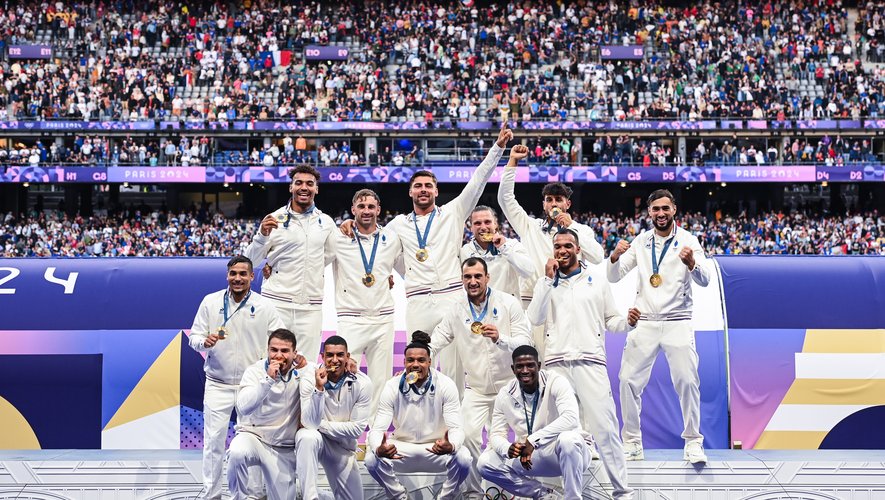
687	257
620	249
268	224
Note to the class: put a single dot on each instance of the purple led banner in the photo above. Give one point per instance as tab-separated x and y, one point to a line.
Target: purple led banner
30	51
325	53
607	52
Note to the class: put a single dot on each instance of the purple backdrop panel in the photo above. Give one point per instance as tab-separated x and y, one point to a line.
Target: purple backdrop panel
30	52
610	52
325	53
783	173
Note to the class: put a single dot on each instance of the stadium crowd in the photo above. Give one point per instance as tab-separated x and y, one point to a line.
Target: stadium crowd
443	60
199	233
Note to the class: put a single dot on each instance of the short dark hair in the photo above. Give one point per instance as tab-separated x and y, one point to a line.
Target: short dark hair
282	334
363	193
556	189
660	193
472	261
525	350
335	340
239	259
420	340
422	173
304	169
565	230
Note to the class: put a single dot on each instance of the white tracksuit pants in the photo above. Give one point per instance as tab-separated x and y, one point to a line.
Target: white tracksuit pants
568	457
277	466
372	335
218	404
424	312
598	417
476	412
416	458
311	449
306	322
676	338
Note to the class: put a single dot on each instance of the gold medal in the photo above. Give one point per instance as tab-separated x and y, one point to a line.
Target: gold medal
486	237
476	328
555	213
281	218
655	280
369	279
411	378
422	254
222	333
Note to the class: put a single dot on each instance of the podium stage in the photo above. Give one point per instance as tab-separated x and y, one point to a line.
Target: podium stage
730	474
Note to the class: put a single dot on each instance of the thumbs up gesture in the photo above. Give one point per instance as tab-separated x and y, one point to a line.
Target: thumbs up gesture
442	446
387	450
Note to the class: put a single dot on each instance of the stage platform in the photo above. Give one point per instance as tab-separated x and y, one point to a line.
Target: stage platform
730	474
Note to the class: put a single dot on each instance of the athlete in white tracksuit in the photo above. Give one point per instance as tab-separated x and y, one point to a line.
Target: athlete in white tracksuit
666	321
505	328
549	408
269	408
434	283
249	322
577	308
334	417
294	240
507	259
428	434
537	234
365	313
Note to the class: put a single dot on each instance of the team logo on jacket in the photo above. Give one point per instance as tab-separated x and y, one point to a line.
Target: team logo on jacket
589	279
252	312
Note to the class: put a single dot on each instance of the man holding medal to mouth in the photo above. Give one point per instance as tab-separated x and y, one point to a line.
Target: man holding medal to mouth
294	240
541	409
231	327
425	410
669	258
270	401
362	264
537	234
507	259
575	304
334	417
486	328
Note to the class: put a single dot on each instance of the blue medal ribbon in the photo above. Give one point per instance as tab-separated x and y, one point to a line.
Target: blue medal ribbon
530	422
559	276
654	262
422	240
484	309
293	371
370	263
242	304
328	385
405	388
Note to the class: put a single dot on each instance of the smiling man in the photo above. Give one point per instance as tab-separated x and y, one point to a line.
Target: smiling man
293	240
485	328
668	259
362	265
271	397
541	410
333	417
423	406
575	304
231	327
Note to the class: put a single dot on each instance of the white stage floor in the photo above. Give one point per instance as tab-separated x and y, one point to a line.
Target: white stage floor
730	474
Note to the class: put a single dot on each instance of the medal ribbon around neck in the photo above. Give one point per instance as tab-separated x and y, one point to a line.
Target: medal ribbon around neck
484	309
292	371
655	263
530	422
559	276
242	304
404	388
370	263
422	240
337	385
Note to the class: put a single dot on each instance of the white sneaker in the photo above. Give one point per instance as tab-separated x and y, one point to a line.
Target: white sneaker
551	494
694	453
633	451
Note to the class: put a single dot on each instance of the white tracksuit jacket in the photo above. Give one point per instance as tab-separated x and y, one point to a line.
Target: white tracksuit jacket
576	314
340	415
247	332
487	364
296	255
352	297
672	300
270	408
441	272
